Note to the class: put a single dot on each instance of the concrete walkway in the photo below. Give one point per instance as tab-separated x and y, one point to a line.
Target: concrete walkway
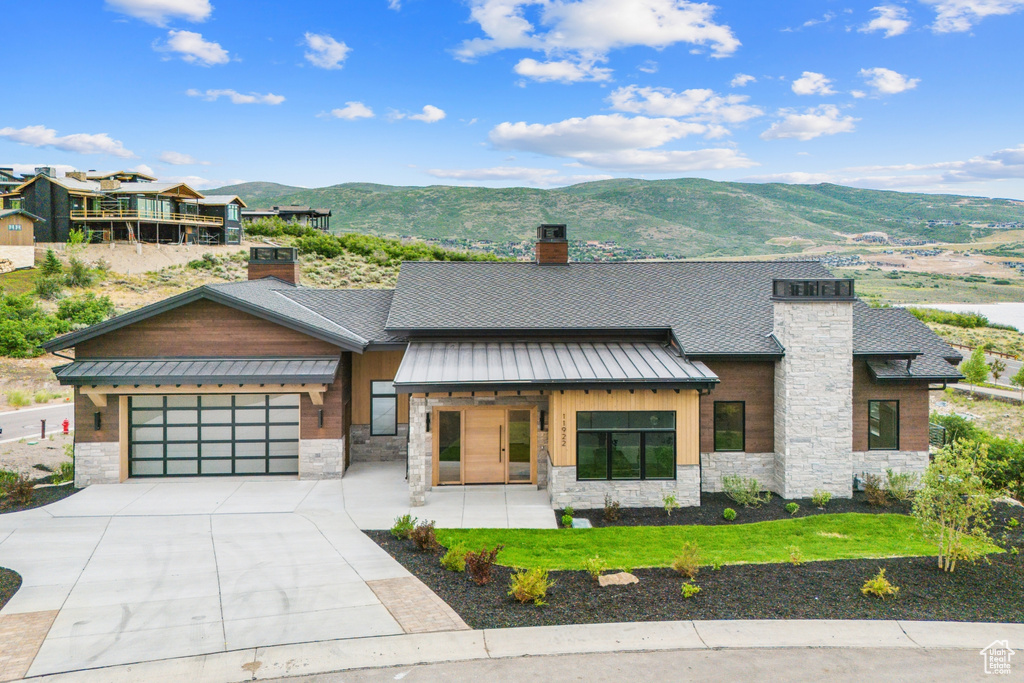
407	650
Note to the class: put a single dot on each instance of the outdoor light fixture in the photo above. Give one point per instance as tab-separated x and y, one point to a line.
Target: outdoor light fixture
320	418
543	414
428	423
97	421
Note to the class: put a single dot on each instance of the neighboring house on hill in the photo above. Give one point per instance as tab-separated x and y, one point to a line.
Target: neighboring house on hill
227	208
303	215
17	245
8	181
123	205
635	380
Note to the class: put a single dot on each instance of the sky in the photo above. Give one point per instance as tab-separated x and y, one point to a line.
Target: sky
921	95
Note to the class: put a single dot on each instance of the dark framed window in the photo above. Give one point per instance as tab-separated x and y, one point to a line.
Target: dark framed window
625	445
883	425
383	408
730	426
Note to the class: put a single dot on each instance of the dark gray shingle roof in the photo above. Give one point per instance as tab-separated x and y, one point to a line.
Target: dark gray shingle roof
363	311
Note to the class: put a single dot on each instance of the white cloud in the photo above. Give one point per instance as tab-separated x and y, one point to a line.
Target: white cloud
143	168
563	71
891	19
887	81
858	94
814	122
181	159
157	12
668	161
30	169
954	16
999	165
741	80
325	52
352	111
544	177
696	104
430	114
395	4
80	143
193	48
796	177
648	67
235	96
812	83
827	17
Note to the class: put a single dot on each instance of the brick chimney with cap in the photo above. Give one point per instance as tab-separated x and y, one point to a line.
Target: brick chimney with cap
552	246
279	262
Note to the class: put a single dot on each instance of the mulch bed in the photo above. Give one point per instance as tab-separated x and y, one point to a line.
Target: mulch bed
10	582
40	497
712	506
985	591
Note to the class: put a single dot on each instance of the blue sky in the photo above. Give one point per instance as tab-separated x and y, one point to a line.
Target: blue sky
917	95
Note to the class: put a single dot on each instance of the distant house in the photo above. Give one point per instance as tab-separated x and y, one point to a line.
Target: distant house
303	215
117	205
226	207
8	181
17	243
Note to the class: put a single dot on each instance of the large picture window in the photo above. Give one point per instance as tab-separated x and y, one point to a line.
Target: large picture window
883	425
730	426
383	408
627	445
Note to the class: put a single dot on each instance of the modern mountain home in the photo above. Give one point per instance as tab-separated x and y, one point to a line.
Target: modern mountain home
301	215
123	205
633	380
17	246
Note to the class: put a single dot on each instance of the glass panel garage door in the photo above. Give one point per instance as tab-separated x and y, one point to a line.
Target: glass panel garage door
213	434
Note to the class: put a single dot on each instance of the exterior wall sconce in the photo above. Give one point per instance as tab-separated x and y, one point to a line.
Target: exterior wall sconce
97	420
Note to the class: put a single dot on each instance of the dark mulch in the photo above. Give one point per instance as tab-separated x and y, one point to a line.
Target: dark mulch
40	497
986	591
10	582
714	504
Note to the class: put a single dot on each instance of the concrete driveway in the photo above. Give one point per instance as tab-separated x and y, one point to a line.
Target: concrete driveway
144	571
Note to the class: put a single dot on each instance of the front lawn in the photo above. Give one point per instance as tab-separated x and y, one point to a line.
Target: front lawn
821	537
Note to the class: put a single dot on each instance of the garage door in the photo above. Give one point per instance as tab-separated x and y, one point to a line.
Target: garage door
213	435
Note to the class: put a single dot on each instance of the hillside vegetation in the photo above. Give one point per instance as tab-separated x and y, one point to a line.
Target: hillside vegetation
685	217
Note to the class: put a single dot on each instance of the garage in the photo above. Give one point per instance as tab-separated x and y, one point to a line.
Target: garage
183	435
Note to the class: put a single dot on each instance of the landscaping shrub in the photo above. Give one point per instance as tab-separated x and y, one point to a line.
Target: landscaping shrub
611	509
965	320
44	396
874	491
689	589
7	476
87	309
424	537
567	521
975	369
206	262
455	559
49	288
403	526
671	503
879	586
746	492
796	556
17	492
792	508
595	565
18	398
24	326
479	564
65	472
957	427
78	274
1004	468
529	585
953	503
51	265
900	486
687	562
821	498
728	514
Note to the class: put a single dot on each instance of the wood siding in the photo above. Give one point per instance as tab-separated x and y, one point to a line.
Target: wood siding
750	382
203	328
16	238
374	366
914	408
562	434
84	420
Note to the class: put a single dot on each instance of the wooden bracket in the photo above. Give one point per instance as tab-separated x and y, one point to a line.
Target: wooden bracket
98	399
316	396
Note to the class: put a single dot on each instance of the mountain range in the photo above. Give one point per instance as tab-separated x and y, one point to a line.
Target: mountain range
684	217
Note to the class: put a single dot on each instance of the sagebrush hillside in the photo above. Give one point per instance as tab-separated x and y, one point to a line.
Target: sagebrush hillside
687	216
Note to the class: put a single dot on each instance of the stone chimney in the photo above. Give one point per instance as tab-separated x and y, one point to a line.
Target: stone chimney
279	262
76	175
552	246
110	184
813	321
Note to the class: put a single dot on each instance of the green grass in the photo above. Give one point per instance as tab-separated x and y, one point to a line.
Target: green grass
820	537
930	288
19	281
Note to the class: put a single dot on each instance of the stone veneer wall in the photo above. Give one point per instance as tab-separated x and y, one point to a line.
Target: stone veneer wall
321	458
715	465
98	462
876	462
421	447
814	398
367	448
565	490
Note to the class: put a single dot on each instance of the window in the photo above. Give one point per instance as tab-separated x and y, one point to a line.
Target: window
232	212
383	408
730	426
626	445
883	425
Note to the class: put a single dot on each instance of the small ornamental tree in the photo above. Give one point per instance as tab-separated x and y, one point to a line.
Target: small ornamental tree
1018	381
997	368
953	502
51	265
975	369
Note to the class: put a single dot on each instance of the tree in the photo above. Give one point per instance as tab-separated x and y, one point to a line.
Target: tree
1018	381
953	503
997	367
975	369
52	266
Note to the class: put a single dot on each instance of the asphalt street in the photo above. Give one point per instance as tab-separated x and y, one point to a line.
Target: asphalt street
25	423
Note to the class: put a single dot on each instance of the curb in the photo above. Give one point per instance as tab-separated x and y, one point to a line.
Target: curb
306	659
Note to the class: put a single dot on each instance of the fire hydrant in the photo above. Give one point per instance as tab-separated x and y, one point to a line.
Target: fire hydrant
66	424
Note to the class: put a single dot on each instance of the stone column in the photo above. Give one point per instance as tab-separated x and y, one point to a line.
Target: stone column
321	458
420	452
97	462
814	398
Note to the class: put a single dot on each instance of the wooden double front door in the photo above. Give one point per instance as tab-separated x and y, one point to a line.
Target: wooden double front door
484	445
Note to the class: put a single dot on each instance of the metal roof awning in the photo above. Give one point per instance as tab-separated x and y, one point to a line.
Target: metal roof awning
466	366
163	371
